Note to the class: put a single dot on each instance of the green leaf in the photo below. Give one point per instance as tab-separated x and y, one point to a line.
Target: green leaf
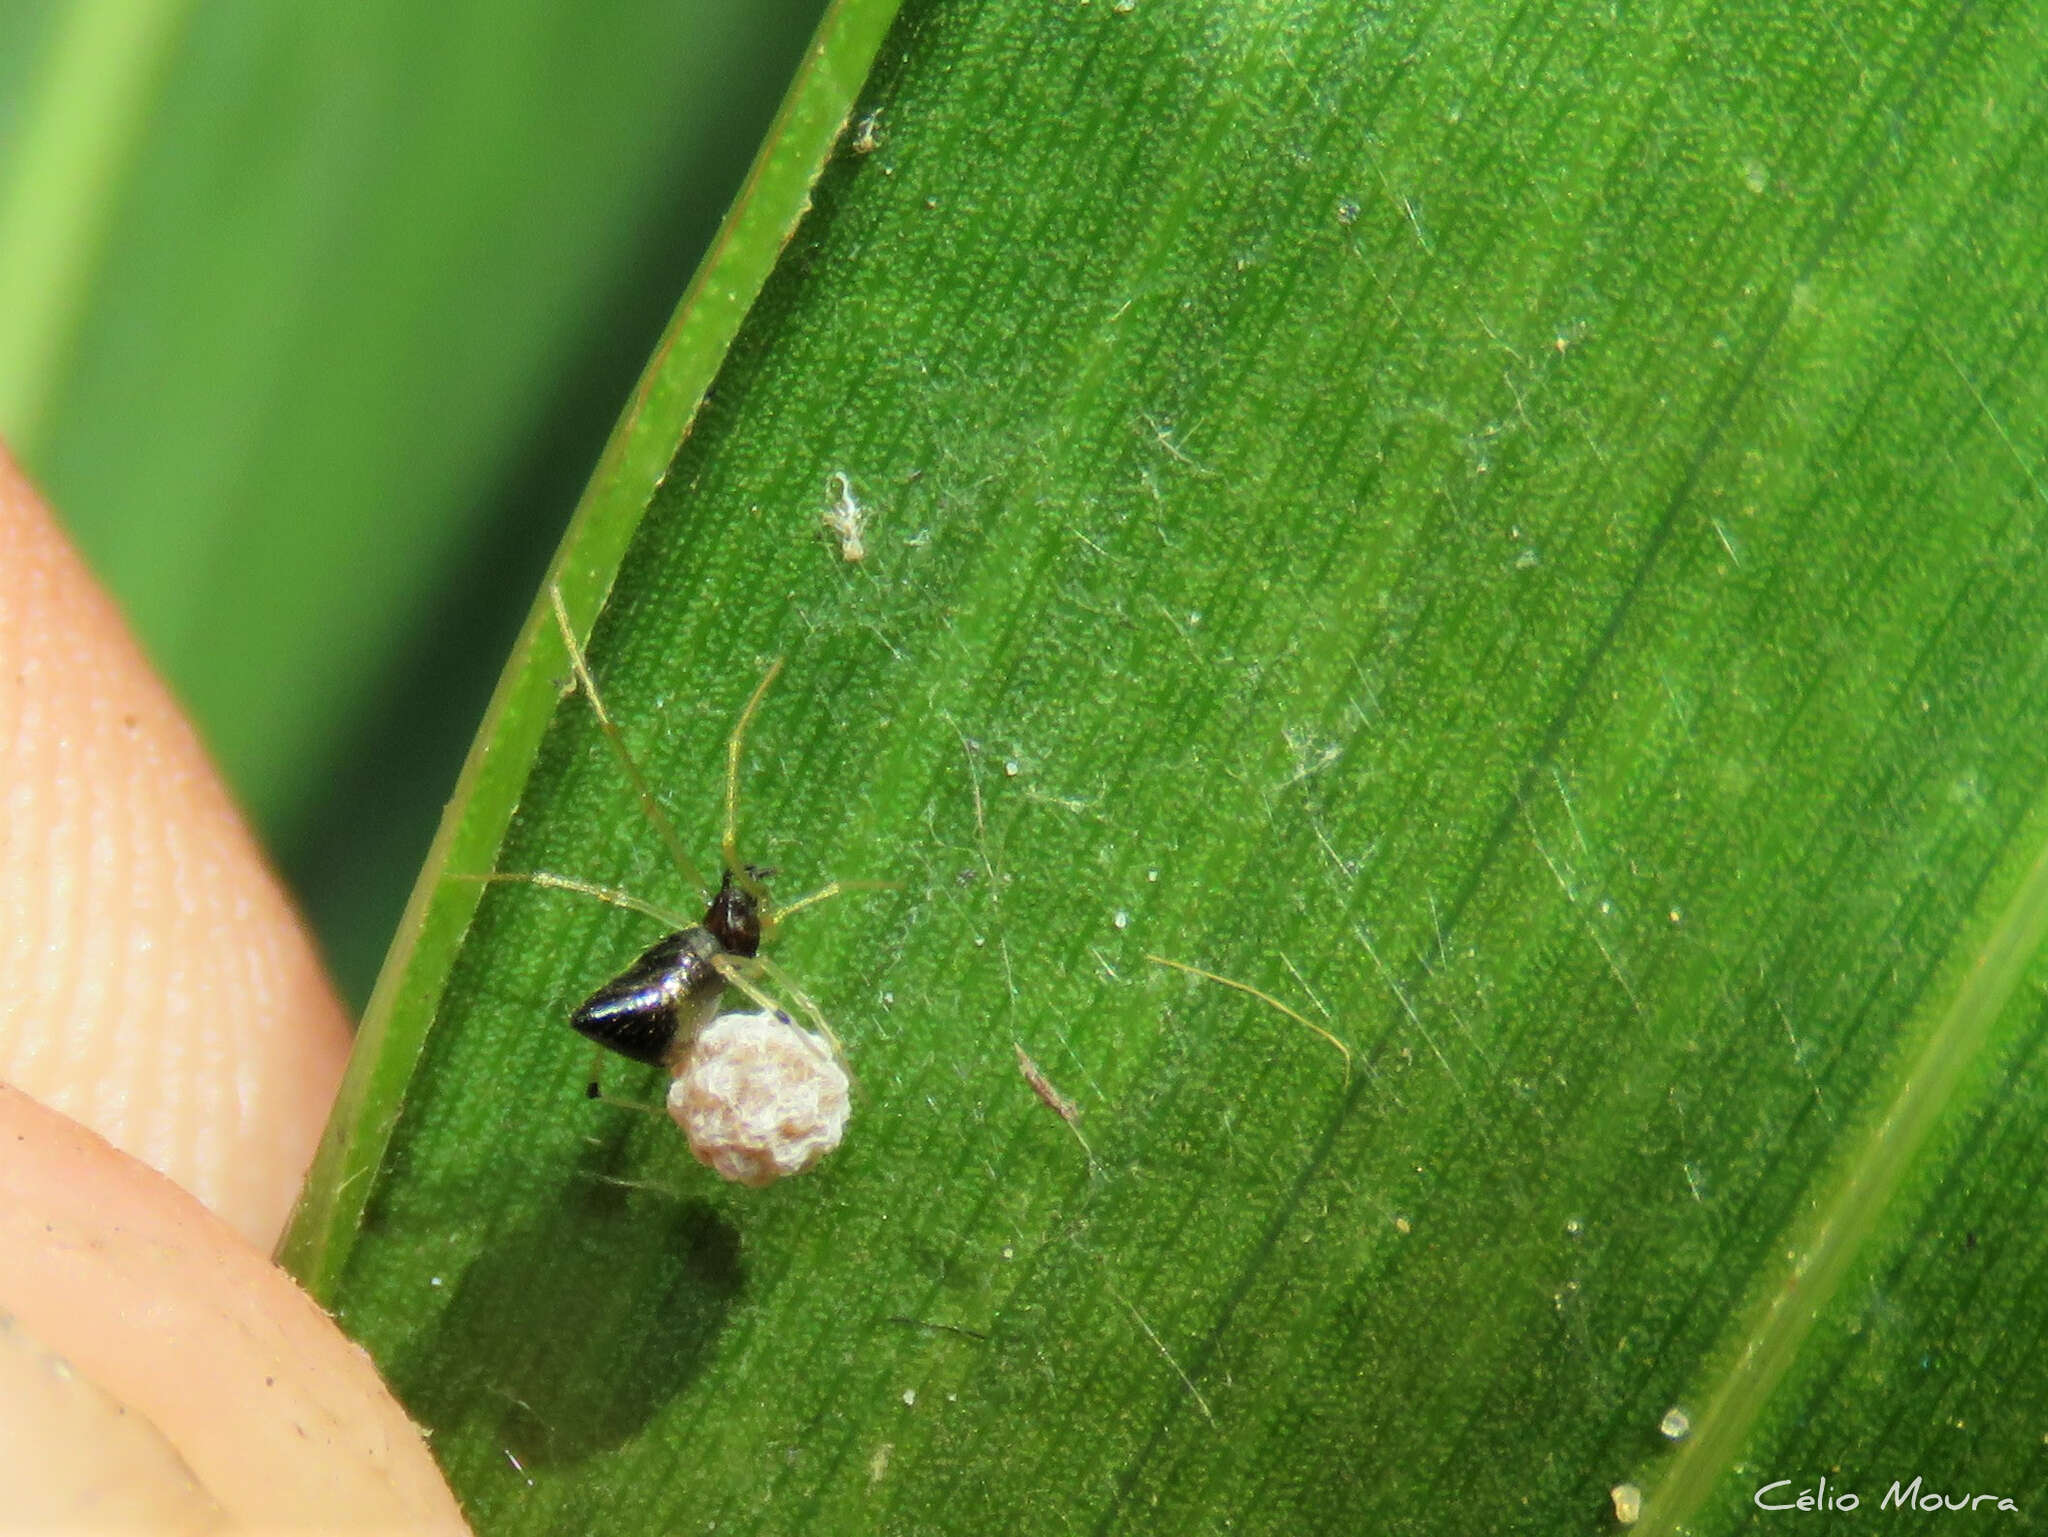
1518	535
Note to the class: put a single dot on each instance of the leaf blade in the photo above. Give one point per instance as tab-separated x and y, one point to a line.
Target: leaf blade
1554	662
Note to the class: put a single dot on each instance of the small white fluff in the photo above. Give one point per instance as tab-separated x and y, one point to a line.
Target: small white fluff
759	1098
846	519
1628	1503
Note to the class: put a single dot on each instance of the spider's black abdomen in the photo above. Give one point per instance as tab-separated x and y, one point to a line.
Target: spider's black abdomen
658	1003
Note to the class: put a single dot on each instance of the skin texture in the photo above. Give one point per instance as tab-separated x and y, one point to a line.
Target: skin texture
157	1373
159	987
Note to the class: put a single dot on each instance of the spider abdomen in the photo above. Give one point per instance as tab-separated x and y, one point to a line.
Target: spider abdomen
652	1010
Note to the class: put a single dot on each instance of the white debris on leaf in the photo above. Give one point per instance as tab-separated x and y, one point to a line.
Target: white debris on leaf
1628	1503
759	1098
846	519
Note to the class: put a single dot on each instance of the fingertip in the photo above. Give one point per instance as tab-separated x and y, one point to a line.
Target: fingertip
161	988
73	1459
237	1393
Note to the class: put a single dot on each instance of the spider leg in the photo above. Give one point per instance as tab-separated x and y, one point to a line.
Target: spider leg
826	893
729	846
732	966
617	739
617	898
595	1090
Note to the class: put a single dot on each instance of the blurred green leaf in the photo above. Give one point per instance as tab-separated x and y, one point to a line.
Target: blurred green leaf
1518	534
80	78
312	320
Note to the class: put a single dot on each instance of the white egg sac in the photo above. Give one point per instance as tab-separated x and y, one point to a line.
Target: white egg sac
759	1098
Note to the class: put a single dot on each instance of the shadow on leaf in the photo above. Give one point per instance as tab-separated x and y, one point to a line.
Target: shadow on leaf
568	1336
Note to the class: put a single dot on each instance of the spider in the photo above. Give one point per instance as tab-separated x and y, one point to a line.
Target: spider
759	1097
